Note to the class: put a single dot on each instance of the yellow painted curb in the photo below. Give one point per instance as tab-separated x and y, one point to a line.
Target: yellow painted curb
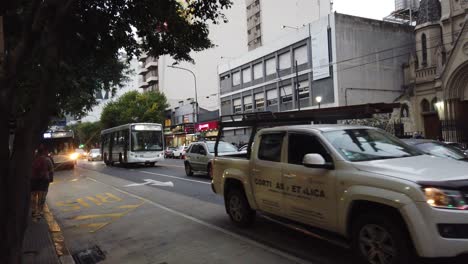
56	233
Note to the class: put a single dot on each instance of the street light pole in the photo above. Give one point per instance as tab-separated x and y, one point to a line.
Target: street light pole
196	95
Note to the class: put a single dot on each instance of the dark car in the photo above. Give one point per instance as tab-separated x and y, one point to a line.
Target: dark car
438	149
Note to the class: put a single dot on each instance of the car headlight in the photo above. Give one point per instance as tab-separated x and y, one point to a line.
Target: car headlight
445	199
74	156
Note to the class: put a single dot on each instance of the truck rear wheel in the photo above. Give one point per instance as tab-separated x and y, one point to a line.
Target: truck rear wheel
238	208
381	239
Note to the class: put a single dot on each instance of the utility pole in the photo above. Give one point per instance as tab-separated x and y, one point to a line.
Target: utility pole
297	89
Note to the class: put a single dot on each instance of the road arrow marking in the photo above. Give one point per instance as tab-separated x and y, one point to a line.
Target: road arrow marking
152	182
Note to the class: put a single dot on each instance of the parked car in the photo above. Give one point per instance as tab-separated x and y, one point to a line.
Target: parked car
386	199
179	152
438	149
169	152
94	154
200	155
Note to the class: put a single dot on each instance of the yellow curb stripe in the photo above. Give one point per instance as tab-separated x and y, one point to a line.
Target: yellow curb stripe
56	233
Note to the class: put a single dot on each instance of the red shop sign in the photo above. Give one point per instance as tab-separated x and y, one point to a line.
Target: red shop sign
207	126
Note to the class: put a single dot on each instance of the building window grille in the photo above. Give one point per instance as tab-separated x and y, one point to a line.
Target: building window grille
304	90
272	97
286	94
259	101
237	106
248	106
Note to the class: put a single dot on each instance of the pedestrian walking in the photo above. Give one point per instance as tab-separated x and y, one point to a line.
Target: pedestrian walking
42	176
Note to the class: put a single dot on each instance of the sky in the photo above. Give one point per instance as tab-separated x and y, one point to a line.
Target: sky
376	9
231	42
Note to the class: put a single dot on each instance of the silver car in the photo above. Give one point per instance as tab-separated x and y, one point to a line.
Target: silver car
200	154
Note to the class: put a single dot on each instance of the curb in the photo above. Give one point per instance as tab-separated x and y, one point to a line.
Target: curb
57	237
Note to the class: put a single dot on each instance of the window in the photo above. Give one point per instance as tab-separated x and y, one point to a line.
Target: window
284	61
424	49
286	94
270	147
425	106
223	147
300	55
272	97
301	144
248	106
194	149
259	101
368	144
237	106
246	75
304	90
258	71
236	78
270	66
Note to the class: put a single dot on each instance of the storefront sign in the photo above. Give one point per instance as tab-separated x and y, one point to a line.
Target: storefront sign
213	125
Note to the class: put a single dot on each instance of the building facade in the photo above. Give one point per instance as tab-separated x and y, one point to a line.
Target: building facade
437	74
149	72
184	124
339	60
267	18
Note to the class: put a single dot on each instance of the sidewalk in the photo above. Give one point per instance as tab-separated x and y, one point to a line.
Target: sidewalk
43	242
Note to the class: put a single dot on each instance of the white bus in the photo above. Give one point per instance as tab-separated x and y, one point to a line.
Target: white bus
133	143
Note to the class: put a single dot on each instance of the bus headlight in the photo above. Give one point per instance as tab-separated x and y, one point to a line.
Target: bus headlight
74	156
445	199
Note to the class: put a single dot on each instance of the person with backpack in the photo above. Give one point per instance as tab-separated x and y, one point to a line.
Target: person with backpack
42	176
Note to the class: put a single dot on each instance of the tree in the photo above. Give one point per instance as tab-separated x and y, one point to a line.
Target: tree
87	133
134	107
57	54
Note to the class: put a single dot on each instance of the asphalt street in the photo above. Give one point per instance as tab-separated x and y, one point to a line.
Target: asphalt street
159	215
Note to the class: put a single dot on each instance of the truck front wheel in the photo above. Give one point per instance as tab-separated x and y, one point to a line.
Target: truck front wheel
381	239
239	209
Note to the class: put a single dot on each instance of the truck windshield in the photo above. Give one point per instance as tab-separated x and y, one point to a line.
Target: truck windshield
368	144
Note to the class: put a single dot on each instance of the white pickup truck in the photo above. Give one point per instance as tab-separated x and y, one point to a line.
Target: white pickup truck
390	201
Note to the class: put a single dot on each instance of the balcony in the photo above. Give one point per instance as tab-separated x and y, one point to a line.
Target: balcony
142	71
426	74
152	64
152	79
143	57
144	85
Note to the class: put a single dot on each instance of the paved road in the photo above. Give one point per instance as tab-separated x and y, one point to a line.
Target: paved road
159	215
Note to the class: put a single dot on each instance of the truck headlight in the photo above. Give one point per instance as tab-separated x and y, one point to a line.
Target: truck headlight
445	199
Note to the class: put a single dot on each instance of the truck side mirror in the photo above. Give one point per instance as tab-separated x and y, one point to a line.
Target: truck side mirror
316	161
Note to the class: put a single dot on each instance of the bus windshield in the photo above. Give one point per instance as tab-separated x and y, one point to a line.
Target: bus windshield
58	143
146	141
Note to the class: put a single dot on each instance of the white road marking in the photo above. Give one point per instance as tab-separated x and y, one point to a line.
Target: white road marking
175	177
169	165
152	182
211	226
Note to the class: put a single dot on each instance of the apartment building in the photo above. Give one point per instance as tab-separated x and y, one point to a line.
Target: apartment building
149	73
